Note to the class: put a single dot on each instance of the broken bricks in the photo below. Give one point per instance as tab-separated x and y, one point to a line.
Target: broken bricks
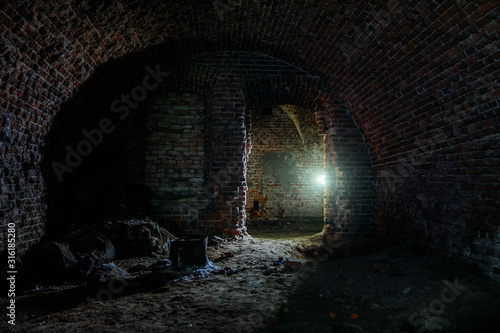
291	266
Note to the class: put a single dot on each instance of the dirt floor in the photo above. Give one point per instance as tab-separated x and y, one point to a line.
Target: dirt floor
284	228
270	285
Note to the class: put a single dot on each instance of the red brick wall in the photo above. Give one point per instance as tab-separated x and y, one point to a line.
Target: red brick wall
175	160
349	191
228	162
283	169
418	77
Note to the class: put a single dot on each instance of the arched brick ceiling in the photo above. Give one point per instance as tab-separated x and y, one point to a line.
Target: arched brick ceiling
418	76
386	59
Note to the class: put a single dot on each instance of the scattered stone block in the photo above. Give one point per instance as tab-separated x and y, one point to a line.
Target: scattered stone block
189	252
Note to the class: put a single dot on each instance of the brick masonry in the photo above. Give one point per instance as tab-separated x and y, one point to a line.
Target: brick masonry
417	78
284	164
175	149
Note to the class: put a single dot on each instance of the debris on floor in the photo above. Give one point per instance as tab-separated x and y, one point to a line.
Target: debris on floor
269	286
137	237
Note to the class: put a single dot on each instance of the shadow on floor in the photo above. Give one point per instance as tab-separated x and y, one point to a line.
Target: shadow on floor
418	291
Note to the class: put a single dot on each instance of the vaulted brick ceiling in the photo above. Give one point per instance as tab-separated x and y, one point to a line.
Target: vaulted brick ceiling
416	75
390	61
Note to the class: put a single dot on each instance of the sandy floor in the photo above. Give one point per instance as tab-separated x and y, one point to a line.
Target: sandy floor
408	289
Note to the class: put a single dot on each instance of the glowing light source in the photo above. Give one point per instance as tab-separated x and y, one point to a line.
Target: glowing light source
321	179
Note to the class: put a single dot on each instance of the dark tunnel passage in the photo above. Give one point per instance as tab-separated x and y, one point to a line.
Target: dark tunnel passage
250	166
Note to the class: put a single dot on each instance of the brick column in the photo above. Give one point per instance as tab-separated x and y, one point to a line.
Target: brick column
227	167
350	177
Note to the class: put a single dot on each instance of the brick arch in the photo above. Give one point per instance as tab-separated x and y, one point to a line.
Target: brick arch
92	103
419	78
266	91
94	99
349	193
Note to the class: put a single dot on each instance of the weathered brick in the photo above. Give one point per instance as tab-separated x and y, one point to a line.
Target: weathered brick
392	72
